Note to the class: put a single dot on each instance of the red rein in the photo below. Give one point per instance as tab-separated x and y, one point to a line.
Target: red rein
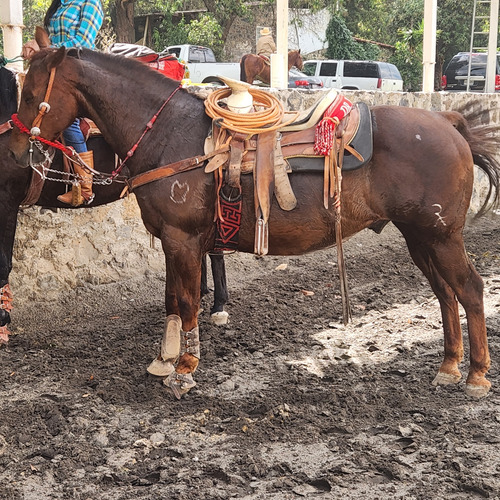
70	152
55	144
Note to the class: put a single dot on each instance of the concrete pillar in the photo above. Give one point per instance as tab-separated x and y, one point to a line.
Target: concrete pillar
429	46
491	62
279	73
11	20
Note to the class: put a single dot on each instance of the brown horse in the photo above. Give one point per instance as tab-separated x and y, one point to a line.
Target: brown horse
14	184
254	67
420	177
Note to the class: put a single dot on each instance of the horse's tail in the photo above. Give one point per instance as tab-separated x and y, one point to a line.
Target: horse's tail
243	74
483	143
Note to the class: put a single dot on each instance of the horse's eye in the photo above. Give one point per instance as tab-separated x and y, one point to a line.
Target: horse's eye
28	99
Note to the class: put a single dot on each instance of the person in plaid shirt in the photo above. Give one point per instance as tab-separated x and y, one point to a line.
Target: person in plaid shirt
73	23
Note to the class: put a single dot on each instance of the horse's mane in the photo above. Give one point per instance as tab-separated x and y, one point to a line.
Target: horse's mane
8	94
129	68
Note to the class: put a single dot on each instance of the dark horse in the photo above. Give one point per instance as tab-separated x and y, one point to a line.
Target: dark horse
254	67
420	177
14	183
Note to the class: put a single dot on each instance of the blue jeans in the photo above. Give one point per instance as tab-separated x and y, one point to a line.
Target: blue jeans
73	137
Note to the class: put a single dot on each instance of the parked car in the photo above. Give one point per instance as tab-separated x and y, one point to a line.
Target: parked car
299	80
355	75
455	74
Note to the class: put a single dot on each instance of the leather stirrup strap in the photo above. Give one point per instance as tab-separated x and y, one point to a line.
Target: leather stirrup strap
263	189
264	172
236	149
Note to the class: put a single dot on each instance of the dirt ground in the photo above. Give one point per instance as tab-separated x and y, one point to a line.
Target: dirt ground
289	403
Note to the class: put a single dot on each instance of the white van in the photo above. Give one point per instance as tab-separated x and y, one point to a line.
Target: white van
355	75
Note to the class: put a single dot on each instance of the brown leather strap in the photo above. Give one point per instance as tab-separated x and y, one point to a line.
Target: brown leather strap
35	188
264	173
172	169
236	148
5	127
44	105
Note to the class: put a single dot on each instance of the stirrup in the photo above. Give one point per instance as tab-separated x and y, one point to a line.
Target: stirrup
90	200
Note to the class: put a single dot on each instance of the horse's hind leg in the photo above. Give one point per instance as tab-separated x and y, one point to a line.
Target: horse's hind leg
453	344
217	314
452	276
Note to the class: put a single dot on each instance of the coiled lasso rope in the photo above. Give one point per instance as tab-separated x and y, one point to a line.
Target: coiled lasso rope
268	119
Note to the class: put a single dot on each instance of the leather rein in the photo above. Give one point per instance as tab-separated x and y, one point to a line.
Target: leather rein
131	183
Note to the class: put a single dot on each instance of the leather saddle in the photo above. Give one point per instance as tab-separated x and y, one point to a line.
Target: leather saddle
270	157
297	145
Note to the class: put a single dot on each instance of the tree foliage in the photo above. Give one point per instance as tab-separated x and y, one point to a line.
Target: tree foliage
341	44
394	22
408	57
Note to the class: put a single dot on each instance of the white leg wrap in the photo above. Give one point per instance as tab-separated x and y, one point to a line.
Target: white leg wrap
171	341
170	348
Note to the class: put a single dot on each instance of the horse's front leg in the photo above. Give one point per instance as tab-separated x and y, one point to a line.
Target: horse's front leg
7	235
180	347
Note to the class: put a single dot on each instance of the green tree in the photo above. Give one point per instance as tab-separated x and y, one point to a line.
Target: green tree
408	57
454	22
341	44
368	19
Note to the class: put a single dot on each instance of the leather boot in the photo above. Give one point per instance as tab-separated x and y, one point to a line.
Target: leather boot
81	193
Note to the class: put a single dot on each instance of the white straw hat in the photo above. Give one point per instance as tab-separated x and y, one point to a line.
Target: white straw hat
265	31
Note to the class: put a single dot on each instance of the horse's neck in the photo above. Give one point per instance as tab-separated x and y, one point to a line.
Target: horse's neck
120	116
115	113
123	111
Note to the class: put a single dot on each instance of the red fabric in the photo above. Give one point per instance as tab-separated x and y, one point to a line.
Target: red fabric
168	65
325	130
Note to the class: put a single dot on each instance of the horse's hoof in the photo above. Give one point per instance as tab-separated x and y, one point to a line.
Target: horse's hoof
446	378
160	368
180	383
479	388
219	318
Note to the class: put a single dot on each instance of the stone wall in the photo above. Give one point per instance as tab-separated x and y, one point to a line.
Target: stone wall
56	252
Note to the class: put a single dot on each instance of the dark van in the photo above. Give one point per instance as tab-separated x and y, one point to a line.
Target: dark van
455	74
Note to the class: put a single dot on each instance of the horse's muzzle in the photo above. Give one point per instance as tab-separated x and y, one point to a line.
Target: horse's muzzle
21	159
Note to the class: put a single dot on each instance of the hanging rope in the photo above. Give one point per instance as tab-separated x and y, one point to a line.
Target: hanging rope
4	61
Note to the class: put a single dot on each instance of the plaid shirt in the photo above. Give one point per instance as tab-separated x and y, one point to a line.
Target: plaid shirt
76	23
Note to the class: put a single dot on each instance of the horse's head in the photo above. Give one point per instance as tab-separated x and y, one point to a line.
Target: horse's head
48	101
296	59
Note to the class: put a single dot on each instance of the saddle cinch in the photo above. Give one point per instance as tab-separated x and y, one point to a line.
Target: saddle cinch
295	147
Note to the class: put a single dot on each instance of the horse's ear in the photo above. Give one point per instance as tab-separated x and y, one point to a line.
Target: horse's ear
54	59
42	37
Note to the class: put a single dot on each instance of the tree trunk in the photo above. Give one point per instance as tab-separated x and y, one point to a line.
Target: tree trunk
123	20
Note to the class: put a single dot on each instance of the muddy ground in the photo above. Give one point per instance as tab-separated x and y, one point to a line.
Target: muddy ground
289	404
